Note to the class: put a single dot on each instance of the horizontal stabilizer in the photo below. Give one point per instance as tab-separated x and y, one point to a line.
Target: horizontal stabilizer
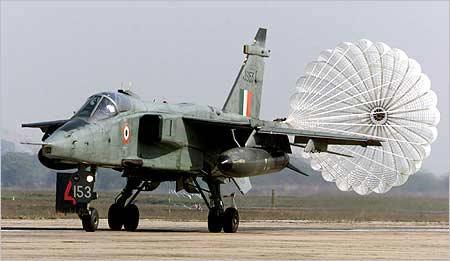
327	151
295	169
339	154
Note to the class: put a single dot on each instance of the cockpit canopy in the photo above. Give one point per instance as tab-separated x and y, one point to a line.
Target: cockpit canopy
104	105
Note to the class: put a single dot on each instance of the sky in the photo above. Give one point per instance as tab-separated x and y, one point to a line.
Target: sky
55	54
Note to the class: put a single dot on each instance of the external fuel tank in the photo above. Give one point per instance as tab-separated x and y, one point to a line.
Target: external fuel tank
245	162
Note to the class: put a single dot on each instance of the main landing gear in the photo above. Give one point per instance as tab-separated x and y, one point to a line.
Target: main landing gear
126	215
219	219
227	220
75	191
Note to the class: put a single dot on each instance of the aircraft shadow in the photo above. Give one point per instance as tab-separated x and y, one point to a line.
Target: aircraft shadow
243	229
162	230
148	230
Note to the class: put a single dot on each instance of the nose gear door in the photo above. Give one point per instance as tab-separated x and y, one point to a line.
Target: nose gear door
74	190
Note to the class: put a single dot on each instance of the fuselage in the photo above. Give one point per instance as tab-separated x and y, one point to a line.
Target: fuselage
146	135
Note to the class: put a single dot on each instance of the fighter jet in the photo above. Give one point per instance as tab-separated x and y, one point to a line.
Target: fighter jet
151	143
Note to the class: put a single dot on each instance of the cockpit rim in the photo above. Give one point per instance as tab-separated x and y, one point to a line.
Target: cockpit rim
101	96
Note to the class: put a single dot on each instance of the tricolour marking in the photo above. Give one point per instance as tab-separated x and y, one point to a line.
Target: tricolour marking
245	102
126	133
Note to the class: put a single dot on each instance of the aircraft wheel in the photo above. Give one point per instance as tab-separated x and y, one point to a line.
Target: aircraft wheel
115	216
90	222
215	222
230	220
131	217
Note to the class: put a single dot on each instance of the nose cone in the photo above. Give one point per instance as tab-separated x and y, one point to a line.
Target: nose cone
58	145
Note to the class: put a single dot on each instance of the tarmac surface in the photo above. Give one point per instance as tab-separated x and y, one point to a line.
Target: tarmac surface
63	239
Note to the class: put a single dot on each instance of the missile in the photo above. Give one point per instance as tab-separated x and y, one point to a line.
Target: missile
245	162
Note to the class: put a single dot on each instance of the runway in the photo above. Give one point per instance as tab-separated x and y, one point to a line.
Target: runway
63	239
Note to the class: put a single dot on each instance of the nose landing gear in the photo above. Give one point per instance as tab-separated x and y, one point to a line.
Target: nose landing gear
74	192
89	220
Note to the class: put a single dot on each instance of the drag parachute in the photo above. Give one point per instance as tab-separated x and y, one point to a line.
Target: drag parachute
368	90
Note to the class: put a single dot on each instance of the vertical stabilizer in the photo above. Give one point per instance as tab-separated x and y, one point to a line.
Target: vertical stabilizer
245	95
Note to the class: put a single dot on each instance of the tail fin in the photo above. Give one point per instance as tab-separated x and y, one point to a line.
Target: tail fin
245	95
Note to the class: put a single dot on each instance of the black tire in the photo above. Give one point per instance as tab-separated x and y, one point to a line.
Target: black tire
230	220
131	217
90	222
215	222
115	217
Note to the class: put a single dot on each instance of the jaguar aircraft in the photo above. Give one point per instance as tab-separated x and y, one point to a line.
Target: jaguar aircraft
151	143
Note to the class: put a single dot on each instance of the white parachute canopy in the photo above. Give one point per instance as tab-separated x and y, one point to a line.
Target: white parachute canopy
368	90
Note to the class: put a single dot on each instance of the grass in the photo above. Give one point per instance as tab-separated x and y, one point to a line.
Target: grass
345	208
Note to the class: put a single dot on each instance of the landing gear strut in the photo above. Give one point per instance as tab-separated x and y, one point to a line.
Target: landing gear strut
219	219
215	214
84	193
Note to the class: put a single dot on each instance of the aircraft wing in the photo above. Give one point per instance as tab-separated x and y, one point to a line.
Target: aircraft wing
218	122
45	125
300	136
303	136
